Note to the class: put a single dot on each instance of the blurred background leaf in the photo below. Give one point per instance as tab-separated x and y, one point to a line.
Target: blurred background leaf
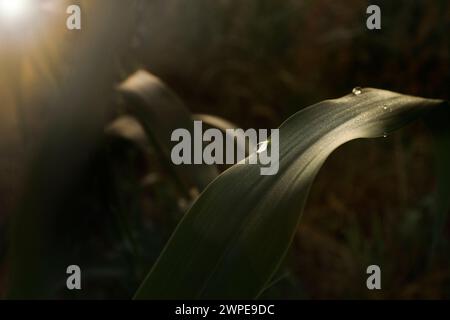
161	112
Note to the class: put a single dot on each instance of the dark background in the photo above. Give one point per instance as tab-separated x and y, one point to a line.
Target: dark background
257	62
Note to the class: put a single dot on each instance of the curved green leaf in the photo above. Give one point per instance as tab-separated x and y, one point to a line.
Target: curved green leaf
160	112
128	128
215	121
232	240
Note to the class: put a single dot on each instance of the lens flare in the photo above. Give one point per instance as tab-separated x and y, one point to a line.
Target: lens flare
10	9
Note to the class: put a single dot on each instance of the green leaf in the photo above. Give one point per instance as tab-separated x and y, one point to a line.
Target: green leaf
129	129
160	112
231	242
215	122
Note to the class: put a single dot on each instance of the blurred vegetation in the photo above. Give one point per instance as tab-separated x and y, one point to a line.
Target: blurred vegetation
254	63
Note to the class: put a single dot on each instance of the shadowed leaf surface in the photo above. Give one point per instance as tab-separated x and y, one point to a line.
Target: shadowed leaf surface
232	240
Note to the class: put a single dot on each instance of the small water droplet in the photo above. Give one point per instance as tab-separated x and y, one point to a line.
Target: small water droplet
385	135
357	91
262	146
387	108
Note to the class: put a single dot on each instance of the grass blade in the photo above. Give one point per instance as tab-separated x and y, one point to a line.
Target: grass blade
231	242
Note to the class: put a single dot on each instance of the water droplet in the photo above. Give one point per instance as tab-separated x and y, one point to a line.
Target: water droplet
357	91
385	135
262	146
386	108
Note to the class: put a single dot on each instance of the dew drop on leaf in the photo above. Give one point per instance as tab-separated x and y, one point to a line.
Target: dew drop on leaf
386	108
357	91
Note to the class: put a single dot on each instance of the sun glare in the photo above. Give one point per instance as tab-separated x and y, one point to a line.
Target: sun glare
13	9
